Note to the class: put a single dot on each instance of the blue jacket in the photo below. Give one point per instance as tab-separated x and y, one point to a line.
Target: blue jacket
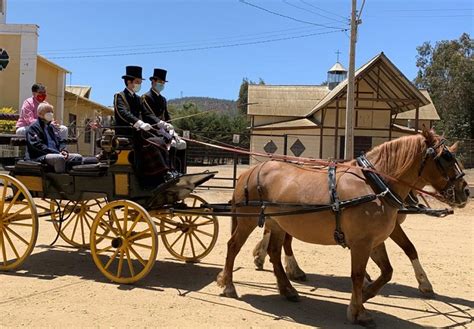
37	143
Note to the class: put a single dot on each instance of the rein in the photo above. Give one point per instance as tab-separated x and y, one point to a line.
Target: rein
318	162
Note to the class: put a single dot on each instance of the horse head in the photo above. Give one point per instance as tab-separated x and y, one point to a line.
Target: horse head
441	169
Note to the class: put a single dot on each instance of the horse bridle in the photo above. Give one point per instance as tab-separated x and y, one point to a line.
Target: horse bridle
442	161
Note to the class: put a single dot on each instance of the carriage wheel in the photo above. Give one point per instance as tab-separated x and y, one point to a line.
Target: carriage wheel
189	237
78	217
18	223
124	241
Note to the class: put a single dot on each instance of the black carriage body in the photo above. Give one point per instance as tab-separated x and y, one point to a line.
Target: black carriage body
114	181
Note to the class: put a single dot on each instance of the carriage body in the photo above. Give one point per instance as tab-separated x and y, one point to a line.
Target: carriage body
104	207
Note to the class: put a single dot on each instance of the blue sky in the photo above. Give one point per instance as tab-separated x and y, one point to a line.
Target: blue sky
238	39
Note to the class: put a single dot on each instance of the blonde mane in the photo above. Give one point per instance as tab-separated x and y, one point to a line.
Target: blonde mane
397	156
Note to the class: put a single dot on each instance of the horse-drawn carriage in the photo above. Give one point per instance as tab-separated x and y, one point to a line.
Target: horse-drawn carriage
103	207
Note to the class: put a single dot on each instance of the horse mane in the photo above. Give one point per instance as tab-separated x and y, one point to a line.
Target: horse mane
397	156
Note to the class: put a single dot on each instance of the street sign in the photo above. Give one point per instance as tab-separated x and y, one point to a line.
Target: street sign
186	134
4	59
236	139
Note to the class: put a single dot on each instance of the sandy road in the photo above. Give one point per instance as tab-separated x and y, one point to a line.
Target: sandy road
61	287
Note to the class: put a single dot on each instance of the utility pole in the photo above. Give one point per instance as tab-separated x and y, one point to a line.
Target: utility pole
349	138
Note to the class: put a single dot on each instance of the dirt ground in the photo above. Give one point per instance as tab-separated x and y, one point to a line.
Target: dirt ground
61	287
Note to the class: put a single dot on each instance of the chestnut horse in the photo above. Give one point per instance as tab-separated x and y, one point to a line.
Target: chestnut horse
420	159
295	273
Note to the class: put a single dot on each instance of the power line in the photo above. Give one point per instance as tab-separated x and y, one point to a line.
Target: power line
193	44
288	17
226	38
326	11
198	48
313	12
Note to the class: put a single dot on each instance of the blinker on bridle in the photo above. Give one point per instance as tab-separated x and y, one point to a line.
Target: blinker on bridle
442	162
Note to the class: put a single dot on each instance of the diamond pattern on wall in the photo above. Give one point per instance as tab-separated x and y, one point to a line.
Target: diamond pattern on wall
270	147
297	148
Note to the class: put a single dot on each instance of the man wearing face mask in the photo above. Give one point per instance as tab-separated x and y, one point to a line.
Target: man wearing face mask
44	143
130	112
128	107
154	101
29	111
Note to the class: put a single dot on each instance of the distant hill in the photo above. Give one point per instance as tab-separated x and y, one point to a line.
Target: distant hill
206	103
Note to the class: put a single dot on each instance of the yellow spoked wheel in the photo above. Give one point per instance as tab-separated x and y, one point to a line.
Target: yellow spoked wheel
18	223
124	241
78	217
189	237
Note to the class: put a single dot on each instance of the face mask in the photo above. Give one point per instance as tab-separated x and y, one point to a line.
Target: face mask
49	116
159	87
137	87
40	97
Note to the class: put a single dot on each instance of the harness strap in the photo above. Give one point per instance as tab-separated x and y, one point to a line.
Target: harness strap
261	216
335	205
378	183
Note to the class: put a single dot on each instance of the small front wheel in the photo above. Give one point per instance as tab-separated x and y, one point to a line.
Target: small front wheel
124	241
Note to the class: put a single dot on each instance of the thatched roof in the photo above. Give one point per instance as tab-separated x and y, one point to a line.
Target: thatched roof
295	101
83	91
427	112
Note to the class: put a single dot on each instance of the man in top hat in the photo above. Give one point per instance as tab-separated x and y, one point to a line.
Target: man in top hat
128	107
133	120
153	100
156	103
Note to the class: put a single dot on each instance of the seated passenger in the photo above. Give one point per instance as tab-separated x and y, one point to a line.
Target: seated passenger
44	144
29	112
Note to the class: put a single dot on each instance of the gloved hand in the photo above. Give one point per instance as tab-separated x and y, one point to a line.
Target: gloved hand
164	125
140	125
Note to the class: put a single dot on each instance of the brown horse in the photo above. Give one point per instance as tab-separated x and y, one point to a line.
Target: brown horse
295	273
421	159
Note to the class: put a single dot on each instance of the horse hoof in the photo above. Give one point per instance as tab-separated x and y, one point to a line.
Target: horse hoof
230	292
258	263
299	277
363	318
293	298
427	293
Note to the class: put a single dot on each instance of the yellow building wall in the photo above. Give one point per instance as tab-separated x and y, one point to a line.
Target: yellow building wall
49	76
259	120
10	77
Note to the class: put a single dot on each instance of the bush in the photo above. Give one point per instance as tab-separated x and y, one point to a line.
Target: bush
7	126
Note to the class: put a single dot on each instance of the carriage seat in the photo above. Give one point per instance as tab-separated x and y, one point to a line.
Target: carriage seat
28	167
17	140
93	169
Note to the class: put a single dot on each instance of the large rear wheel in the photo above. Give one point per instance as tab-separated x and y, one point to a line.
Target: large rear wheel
124	241
18	223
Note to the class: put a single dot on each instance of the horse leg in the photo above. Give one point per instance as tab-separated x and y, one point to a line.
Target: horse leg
356	313
401	239
380	257
242	230
293	271
260	250
275	244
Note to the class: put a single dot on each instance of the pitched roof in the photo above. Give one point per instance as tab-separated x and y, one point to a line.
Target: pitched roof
401	89
300	123
48	62
84	91
295	101
427	112
337	68
74	97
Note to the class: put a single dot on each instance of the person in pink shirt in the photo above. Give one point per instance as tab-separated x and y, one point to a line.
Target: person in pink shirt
29	111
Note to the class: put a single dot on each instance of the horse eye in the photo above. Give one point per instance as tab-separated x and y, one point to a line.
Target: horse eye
448	156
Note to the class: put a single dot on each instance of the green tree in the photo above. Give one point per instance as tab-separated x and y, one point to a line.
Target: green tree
447	71
243	98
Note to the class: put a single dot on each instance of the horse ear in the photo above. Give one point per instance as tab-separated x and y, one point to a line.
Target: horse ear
454	148
427	134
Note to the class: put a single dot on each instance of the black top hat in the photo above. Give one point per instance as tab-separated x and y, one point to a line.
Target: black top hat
159	74
134	72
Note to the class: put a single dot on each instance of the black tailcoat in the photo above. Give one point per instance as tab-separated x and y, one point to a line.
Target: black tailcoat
157	104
